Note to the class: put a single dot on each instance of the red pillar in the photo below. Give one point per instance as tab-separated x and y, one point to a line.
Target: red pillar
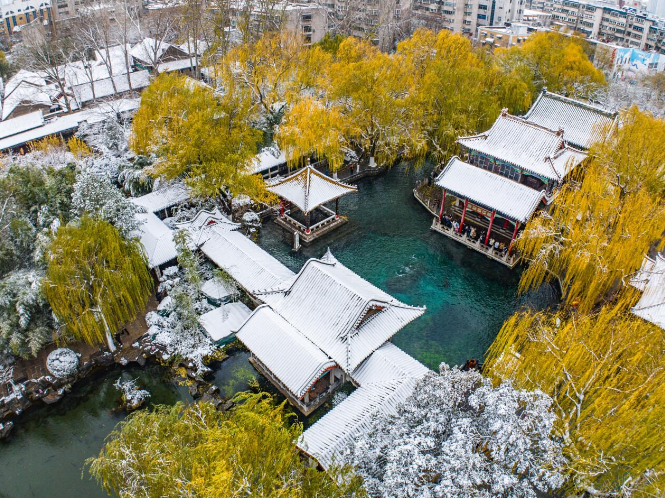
489	229
443	203
517	225
461	223
307	223
281	208
337	209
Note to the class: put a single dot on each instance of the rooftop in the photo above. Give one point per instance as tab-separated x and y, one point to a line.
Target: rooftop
104	87
163	198
527	145
308	189
495	192
651	280
582	123
221	322
344	315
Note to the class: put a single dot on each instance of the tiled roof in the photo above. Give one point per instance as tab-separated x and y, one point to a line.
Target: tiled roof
510	199
289	355
308	189
344	315
651	305
200	227
221	322
163	198
157	240
104	87
20	124
582	123
266	159
327	439
526	145
249	265
387	363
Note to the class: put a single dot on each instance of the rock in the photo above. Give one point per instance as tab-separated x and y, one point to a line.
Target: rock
53	396
5	429
62	362
228	405
193	390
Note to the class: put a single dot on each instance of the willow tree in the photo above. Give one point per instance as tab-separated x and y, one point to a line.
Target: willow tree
200	136
95	280
606	374
197	450
605	219
554	61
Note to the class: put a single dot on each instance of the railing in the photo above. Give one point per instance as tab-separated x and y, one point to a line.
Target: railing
302	228
507	258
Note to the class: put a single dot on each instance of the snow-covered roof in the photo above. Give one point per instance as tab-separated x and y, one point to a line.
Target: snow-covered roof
200	226
526	145
327	439
104	87
249	265
266	159
221	322
495	192
70	122
21	123
308	189
177	65
216	289
643	275
387	363
651	305
116	55
582	123
25	92
344	315
23	76
289	356
163	198
150	50
157	239
201	46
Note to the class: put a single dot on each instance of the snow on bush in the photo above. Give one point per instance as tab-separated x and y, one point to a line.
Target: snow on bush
250	218
240	201
132	396
459	436
62	362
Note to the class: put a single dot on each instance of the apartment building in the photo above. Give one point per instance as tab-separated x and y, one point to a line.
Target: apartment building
310	19
503	36
610	24
465	16
15	14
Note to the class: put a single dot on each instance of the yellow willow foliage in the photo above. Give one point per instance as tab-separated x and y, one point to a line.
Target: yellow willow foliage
557	62
604	220
197	450
308	128
199	136
79	148
47	144
95	279
606	374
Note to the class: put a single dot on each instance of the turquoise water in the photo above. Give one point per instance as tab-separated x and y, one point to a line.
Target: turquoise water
387	241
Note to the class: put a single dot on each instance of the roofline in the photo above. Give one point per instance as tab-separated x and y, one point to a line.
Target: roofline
579	103
478	202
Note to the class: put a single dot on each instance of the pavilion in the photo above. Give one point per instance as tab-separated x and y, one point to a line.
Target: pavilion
491	203
317	328
303	196
504	175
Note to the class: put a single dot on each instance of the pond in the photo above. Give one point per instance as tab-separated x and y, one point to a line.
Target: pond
387	241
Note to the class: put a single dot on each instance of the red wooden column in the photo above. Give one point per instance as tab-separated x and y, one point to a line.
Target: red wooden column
443	203
337	209
461	223
308	231
489	229
281	208
517	225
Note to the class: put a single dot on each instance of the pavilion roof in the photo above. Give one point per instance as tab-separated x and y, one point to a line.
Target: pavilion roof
387	379
344	315
249	265
526	145
495	192
163	198
156	238
582	123
651	305
308	189
288	354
